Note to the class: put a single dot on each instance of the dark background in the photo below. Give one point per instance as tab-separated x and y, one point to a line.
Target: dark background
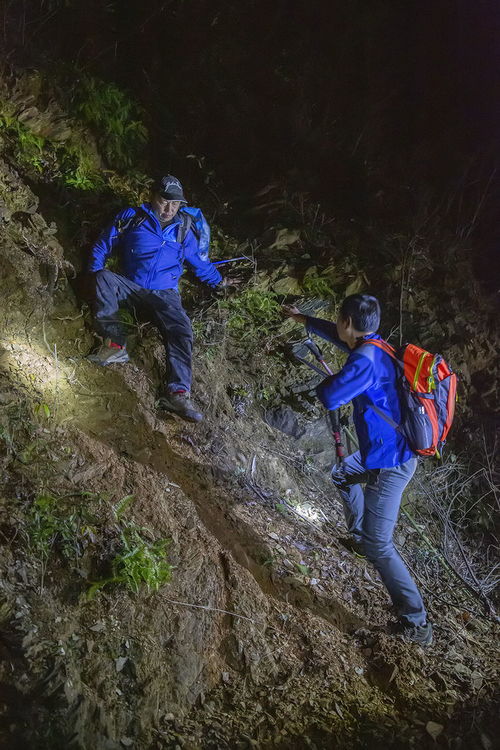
370	108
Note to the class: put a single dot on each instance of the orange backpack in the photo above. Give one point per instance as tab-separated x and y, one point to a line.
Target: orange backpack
427	388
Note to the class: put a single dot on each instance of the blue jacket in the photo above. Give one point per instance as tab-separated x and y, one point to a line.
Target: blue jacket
365	379
150	256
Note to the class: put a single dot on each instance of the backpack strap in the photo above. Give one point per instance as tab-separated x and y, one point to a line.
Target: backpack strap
381	344
186	224
133	222
388	349
141	215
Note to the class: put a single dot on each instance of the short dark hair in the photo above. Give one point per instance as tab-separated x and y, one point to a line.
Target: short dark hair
363	310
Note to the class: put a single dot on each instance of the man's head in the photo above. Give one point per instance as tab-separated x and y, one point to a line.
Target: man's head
359	314
167	196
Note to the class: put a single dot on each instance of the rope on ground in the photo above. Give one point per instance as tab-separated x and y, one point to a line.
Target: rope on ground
212	609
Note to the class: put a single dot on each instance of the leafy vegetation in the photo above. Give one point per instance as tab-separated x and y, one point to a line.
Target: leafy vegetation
71	163
52	523
73	160
138	562
58	524
28	147
115	119
253	312
316	285
141	561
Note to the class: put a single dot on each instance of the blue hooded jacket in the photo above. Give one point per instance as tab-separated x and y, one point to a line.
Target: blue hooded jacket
152	257
366	378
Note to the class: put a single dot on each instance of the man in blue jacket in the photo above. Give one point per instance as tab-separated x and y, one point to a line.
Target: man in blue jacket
384	463
153	242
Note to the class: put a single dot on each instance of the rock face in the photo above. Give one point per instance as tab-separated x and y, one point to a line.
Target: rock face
266	635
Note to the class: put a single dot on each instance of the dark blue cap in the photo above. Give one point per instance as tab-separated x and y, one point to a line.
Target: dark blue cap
169	188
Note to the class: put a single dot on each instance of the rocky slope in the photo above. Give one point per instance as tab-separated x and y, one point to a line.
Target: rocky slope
269	633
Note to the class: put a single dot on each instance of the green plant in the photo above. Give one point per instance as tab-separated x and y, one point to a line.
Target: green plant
72	162
123	505
139	561
42	408
30	451
315	285
115	118
252	312
126	318
266	393
303	569
28	147
133	188
79	166
222	245
51	523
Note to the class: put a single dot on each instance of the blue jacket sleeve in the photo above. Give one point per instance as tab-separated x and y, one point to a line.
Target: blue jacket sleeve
326	330
204	269
354	378
107	241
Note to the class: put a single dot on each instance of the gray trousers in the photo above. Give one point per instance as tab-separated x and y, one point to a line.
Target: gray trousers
371	516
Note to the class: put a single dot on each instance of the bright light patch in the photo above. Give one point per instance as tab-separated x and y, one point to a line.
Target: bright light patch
43	371
305	511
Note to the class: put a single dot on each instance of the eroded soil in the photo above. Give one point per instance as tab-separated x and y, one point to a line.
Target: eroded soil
270	633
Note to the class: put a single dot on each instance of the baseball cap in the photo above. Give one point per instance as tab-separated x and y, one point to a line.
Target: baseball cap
169	188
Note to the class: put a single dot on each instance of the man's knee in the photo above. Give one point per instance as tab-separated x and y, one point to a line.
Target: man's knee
338	476
104	276
185	329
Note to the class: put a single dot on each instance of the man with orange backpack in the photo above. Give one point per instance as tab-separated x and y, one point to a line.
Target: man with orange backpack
387	456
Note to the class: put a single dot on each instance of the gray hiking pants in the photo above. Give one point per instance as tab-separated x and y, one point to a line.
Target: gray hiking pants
371	516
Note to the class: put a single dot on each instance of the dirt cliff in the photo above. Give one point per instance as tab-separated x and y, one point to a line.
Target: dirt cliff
269	633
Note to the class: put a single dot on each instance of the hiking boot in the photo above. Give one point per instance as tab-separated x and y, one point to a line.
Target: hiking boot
109	354
353	545
179	403
421	634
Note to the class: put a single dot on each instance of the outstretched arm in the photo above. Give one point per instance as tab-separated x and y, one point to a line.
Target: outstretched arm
323	328
204	269
354	378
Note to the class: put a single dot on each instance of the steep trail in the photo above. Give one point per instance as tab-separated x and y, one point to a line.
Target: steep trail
300	663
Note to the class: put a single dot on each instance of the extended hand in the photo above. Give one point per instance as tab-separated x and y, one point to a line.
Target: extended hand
290	311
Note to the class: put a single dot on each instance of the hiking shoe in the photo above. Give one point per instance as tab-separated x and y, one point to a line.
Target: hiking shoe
109	354
353	546
421	634
179	403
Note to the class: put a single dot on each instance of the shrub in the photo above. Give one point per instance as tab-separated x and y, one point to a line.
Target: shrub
115	119
52	524
315	285
252	312
139	561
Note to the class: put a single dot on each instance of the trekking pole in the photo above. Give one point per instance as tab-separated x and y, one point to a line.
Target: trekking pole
232	260
333	416
318	354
